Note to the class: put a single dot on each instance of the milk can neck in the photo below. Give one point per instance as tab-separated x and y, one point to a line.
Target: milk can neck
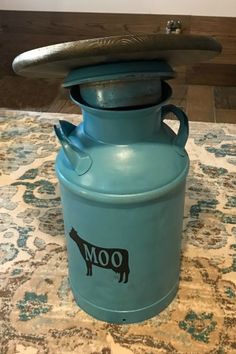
120	127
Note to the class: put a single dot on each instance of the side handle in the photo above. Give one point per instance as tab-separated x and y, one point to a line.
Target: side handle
183	132
80	160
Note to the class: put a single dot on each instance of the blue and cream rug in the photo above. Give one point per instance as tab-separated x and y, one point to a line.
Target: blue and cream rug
37	312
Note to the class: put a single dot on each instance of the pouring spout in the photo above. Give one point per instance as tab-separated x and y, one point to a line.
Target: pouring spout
80	160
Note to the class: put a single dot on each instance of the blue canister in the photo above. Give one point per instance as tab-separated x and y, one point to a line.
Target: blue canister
122	176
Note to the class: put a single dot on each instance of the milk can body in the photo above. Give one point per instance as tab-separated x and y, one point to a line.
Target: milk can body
123	209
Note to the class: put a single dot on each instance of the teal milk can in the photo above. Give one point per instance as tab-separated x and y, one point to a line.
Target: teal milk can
122	175
122	171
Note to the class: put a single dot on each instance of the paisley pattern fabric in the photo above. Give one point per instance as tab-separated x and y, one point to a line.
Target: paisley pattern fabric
37	312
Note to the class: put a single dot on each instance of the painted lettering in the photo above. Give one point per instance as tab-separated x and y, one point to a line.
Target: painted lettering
103	258
90	254
116	259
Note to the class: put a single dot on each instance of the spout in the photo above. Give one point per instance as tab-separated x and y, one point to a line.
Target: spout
80	160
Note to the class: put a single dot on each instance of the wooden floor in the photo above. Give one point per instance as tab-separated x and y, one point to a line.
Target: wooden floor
202	103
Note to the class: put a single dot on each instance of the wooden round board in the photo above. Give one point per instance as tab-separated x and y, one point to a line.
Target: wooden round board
58	59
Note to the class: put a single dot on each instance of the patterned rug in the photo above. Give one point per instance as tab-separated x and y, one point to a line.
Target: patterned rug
37	312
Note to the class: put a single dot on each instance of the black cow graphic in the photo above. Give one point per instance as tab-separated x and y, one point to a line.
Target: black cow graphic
116	259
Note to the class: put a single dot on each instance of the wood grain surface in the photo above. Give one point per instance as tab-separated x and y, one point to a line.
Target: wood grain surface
200	104
211	74
59	59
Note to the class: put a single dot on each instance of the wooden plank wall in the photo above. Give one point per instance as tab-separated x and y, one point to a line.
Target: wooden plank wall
25	30
200	90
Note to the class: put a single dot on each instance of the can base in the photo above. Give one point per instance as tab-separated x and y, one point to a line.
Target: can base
125	317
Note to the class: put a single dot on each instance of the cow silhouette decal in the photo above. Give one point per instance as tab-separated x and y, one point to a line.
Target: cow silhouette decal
116	259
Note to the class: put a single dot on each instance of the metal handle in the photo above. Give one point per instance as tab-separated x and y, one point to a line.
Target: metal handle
183	132
80	160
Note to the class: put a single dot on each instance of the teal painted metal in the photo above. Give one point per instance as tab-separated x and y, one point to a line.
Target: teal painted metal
112	71
123	208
